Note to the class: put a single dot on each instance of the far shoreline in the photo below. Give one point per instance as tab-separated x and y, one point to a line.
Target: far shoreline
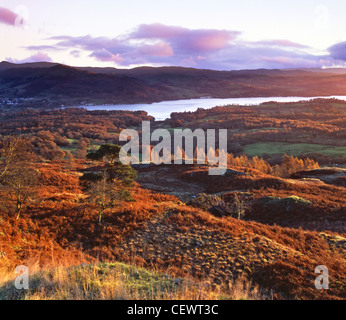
162	110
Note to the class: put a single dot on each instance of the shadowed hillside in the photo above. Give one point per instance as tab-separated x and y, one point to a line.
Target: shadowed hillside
69	86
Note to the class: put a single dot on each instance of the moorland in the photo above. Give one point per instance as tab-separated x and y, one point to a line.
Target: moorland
89	227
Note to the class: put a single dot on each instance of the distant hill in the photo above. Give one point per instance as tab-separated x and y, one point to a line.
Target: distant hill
58	83
8	65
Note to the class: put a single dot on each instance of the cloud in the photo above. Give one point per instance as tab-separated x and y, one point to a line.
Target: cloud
157	31
158	44
106	56
186	40
156	50
188	62
85	42
338	51
37	57
75	53
8	17
44	48
281	43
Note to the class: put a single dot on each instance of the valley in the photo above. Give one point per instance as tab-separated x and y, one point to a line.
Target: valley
256	232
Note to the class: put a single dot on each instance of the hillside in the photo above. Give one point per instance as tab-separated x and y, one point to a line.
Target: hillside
62	82
159	232
58	84
260	229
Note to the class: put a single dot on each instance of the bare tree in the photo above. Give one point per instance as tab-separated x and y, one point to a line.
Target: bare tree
19	186
14	152
18	178
239	206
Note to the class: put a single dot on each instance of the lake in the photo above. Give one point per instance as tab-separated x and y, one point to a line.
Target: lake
162	110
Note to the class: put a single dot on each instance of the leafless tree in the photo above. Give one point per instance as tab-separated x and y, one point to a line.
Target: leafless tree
18	179
19	185
239	206
14	152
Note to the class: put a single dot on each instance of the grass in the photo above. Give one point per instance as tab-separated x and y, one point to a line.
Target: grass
291	203
94	146
116	281
265	129
71	149
295	149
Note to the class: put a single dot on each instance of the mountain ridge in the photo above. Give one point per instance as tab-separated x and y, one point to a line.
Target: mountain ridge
62	84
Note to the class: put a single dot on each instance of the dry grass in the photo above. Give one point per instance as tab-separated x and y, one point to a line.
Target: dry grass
117	281
56	232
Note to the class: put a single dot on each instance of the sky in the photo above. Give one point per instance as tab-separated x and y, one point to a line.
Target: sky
217	34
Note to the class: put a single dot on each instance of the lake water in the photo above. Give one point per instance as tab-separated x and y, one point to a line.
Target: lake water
163	110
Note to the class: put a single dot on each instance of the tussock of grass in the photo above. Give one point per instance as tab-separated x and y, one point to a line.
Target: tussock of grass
117	281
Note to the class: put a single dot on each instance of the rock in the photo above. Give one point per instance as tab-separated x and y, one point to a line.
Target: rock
230	173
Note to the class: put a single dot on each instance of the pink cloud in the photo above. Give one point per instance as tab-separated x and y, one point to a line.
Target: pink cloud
37	57
188	62
157	50
106	56
7	16
199	40
158	44
207	40
288	61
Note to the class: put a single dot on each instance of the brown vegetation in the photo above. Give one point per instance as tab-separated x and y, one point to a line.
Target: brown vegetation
271	220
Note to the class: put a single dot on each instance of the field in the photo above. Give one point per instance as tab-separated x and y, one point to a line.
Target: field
295	149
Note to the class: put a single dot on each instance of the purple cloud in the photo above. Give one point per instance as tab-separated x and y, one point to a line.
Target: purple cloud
157	31
158	45
37	57
105	56
44	48
156	50
75	53
338	51
85	43
8	17
182	39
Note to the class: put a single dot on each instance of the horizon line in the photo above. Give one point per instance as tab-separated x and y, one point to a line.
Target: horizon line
169	66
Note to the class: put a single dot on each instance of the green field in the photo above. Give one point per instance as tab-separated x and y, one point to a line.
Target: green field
295	149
